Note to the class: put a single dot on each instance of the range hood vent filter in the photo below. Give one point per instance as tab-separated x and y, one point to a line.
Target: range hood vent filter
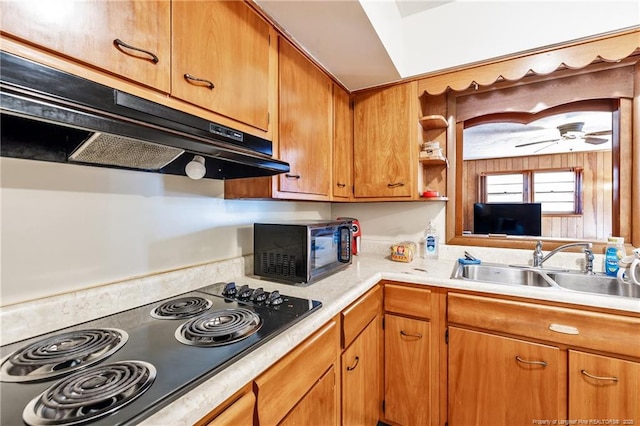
51	115
120	151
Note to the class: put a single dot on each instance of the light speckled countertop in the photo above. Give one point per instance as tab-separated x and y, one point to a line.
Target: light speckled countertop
335	292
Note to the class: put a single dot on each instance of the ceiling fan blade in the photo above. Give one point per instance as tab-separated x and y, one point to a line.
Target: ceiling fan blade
595	141
599	133
545	147
537	142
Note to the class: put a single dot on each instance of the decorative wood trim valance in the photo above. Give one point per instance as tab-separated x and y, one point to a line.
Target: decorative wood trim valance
609	49
548	94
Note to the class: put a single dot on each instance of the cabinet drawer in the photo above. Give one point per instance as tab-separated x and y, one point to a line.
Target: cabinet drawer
239	414
599	331
236	410
407	300
283	385
359	314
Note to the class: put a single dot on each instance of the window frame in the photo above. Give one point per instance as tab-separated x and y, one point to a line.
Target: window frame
528	187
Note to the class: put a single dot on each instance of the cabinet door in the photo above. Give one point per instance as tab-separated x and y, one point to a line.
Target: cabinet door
602	387
318	407
225	44
240	413
305	130
87	31
285	384
342	144
501	381
385	142
361	370
407	361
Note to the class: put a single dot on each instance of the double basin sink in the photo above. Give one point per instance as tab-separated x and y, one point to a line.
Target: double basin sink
550	278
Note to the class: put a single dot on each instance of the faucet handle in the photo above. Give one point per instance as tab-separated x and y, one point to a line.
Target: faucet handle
588	253
537	254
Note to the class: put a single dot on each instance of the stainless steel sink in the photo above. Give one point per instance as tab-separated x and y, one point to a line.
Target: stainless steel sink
598	283
502	274
539	277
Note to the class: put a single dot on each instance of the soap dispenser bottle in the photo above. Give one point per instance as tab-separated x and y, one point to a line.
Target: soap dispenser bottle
431	241
613	253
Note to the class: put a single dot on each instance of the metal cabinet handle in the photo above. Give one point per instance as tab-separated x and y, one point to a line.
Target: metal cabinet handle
119	43
591	376
210	85
395	185
354	365
290	176
341	185
524	361
417	335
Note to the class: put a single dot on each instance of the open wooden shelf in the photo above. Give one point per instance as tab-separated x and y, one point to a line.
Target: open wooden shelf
434	198
433	161
429	122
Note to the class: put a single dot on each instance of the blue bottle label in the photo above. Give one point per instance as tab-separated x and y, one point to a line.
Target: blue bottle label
431	244
611	261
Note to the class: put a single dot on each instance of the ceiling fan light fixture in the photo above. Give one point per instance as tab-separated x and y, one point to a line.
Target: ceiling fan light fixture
573	129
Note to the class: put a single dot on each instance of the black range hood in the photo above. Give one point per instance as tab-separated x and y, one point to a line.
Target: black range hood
51	115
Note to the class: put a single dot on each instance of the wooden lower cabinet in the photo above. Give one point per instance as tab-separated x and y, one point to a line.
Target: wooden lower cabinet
300	380
361	378
318	407
237	410
498	370
407	349
240	413
495	380
603	388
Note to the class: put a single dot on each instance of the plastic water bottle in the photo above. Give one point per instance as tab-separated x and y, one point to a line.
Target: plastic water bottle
612	254
431	241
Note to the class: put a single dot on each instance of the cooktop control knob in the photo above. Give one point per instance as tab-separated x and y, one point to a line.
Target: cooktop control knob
244	292
274	298
229	289
258	295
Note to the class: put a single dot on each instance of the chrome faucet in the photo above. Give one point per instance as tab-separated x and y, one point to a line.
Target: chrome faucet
539	259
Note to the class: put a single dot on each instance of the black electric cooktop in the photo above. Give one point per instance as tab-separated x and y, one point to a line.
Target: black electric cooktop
122	368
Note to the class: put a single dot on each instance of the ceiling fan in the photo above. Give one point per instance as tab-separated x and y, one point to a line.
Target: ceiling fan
572	131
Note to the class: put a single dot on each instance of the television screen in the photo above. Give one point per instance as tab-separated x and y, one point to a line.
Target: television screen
507	218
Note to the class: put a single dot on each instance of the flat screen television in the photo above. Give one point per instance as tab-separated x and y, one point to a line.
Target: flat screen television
507	218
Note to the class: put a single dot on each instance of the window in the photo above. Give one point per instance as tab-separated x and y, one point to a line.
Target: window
505	188
558	190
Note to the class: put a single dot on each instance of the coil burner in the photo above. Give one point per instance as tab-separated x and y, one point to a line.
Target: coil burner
61	354
90	394
182	308
219	327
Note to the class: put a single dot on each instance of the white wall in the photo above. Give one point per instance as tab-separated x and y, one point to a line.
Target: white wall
67	227
394	221
466	31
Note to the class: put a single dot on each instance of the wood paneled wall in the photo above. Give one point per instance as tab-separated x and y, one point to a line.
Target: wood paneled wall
596	220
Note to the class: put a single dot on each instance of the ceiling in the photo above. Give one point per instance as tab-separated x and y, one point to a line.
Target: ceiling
366	43
540	137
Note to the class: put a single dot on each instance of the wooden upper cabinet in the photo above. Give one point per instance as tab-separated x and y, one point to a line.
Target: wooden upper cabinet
305	128
220	59
342	144
385	146
102	34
